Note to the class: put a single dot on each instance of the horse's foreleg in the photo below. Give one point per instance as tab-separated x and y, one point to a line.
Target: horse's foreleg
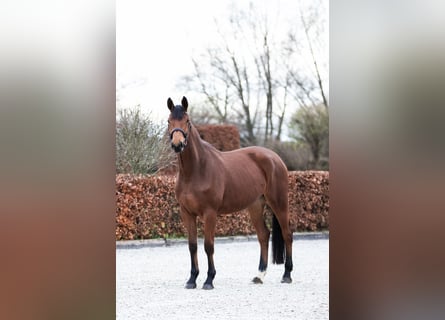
256	215
194	271
190	223
209	238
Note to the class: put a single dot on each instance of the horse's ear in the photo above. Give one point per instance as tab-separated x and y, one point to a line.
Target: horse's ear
170	104
184	103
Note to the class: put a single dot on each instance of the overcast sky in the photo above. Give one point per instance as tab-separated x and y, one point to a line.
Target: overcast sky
155	41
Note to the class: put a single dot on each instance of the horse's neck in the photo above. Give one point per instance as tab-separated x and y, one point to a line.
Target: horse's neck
192	158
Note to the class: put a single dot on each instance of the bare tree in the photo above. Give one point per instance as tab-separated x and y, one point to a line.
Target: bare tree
281	115
243	49
307	84
311	128
223	76
265	77
250	78
218	102
306	27
310	123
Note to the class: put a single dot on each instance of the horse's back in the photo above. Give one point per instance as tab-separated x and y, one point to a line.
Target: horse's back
251	172
265	159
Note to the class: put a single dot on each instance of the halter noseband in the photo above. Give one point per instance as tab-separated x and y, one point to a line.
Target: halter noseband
185	134
180	130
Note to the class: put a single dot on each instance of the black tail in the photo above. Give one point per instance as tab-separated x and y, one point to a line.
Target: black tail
277	242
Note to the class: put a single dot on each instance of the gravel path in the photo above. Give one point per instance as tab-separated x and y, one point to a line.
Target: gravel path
150	281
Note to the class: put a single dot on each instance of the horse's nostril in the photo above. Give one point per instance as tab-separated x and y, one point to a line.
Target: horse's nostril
178	148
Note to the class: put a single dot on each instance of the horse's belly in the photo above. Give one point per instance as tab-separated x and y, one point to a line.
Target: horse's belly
236	200
198	201
229	208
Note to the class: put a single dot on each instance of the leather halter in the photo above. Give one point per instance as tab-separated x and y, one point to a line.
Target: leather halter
185	134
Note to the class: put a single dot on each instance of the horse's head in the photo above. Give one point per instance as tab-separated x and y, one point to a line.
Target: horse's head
178	124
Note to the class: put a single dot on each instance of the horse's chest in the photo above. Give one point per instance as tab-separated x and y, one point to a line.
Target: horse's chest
196	201
189	200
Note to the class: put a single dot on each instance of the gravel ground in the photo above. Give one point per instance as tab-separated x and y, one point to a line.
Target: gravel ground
150	283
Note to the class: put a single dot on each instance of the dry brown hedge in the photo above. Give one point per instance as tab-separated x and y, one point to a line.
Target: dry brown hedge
222	137
147	208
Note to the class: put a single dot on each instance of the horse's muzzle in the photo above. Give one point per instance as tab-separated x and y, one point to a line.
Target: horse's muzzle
179	147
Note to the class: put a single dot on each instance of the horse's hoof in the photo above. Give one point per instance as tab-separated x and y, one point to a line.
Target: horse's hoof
190	285
286	280
207	286
257	280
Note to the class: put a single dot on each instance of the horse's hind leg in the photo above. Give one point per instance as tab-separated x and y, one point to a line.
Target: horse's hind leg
279	206
256	215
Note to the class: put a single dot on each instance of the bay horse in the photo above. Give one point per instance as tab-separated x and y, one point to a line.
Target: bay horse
211	182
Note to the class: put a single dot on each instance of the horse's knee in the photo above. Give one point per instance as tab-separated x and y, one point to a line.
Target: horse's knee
193	247
209	247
